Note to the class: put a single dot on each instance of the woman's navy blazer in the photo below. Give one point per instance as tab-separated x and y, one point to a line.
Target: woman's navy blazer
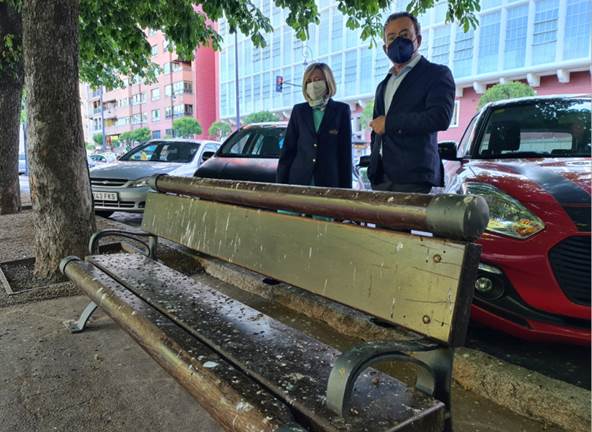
325	156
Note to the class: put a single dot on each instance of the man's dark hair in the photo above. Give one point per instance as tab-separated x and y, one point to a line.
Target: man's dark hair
398	15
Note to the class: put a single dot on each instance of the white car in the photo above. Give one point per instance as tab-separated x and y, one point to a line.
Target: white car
121	185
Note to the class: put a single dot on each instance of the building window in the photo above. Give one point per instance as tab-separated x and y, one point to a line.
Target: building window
516	37
463	53
336	63
155	115
488	4
455	114
287	45
155	93
177	66
366	84
324	33
155	134
138	98
168	133
350	71
139	118
441	45
154	50
544	38
577	34
440	12
489	42
122	121
179	110
337	32
123	102
275	50
382	67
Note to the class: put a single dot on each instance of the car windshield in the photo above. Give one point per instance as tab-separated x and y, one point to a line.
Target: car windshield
257	142
163	151
544	128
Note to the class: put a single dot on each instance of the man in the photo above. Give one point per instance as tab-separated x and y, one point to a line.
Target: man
412	103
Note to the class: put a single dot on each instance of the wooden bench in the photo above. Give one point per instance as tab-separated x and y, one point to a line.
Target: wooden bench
252	372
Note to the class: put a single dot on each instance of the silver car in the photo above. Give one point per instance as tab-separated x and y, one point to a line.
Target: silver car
121	185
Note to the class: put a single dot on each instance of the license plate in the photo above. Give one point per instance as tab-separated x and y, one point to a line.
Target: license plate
105	196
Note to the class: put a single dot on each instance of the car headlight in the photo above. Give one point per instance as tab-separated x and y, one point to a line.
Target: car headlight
141	182
507	215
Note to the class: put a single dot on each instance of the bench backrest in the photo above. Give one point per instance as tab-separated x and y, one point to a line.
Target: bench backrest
422	283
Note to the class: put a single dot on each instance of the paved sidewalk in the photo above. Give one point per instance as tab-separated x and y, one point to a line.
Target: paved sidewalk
99	380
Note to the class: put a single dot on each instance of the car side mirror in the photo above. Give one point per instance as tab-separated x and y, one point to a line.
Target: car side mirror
447	150
364	161
206	155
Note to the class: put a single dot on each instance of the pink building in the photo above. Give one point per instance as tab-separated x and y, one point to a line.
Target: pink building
184	89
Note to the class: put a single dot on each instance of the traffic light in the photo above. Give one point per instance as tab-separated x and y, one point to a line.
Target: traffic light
279	83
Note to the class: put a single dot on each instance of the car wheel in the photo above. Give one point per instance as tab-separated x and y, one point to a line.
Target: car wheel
103	213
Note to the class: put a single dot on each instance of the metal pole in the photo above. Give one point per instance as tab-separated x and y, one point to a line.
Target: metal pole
462	217
104	139
236	78
140	93
172	94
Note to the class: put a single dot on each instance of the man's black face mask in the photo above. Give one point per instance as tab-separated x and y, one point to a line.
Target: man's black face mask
400	50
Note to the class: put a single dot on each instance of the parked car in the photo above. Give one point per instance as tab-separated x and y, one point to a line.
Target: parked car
103	157
22	163
121	185
530	159
252	154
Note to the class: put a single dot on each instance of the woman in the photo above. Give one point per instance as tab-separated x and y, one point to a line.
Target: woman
317	148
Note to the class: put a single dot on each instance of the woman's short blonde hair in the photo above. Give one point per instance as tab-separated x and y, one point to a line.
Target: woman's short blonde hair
327	73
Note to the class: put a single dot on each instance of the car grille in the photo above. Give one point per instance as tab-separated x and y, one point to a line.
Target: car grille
570	260
119	204
107	182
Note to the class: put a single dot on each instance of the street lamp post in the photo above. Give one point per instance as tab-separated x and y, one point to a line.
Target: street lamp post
236	78
172	94
104	139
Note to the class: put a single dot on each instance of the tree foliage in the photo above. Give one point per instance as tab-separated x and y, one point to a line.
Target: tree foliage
136	136
220	129
260	117
186	127
113	41
366	114
509	90
98	139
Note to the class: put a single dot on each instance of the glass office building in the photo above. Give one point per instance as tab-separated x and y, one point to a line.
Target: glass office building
543	42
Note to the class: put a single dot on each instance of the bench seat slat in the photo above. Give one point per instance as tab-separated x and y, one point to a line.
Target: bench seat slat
238	402
410	281
290	364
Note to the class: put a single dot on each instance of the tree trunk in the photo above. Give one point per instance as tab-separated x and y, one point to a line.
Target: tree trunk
60	187
11	88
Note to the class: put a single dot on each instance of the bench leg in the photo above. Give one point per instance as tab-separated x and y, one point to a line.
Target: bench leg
80	324
433	376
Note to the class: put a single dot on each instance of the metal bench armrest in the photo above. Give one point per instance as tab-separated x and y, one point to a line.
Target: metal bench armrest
433	376
93	244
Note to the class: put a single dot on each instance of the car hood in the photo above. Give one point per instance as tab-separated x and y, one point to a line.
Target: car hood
548	186
548	173
134	170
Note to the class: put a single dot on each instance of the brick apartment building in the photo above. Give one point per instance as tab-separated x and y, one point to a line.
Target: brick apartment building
184	88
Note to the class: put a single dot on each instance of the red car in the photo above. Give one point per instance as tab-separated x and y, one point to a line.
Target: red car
530	159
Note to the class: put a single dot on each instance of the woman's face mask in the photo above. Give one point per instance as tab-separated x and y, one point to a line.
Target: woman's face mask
316	89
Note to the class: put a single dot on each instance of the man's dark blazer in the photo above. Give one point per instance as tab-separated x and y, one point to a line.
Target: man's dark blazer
326	155
421	106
